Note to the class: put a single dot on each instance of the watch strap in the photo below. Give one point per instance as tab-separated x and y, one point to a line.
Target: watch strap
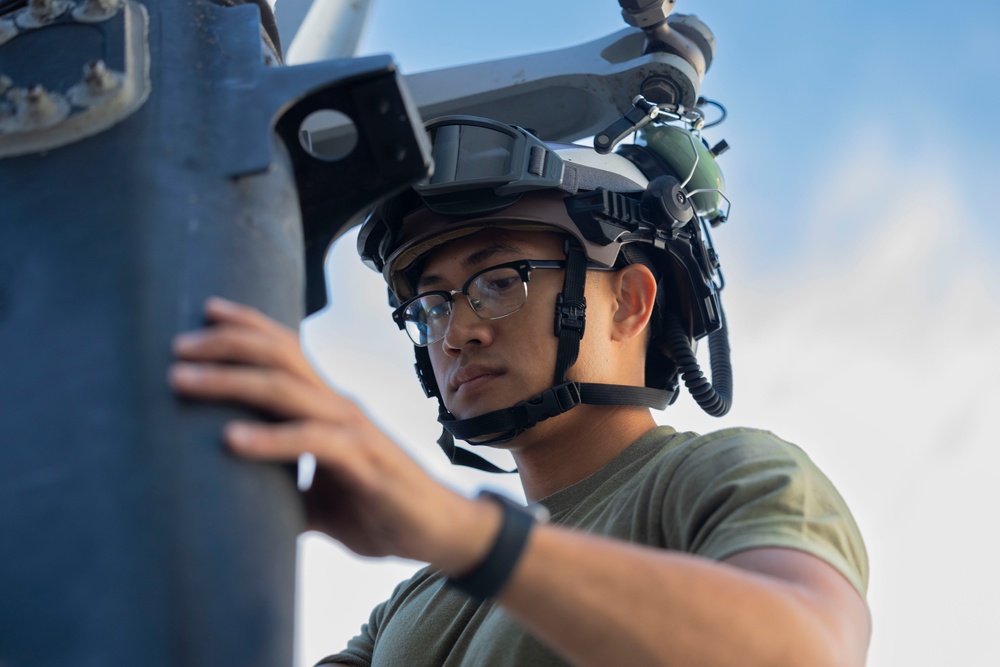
488	578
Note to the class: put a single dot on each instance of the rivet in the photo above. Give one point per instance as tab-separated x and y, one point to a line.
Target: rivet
98	83
93	11
97	77
42	12
37	108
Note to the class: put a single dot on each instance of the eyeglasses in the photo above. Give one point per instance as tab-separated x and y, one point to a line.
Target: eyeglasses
493	293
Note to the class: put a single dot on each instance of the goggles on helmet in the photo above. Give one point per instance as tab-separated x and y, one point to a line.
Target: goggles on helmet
482	165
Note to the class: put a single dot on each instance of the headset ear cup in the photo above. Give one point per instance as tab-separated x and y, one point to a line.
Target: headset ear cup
667	198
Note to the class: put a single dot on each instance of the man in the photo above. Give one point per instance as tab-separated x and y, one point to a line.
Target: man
663	548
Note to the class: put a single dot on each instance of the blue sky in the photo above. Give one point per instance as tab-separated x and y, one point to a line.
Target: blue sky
799	78
862	261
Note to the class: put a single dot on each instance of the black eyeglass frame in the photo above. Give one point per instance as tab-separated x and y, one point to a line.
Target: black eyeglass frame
523	267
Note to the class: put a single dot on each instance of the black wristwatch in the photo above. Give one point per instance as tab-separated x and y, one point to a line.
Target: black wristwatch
487	579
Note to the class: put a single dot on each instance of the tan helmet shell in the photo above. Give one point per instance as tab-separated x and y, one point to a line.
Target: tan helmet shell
424	231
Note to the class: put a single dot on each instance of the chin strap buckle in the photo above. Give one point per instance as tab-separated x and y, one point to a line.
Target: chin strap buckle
570	315
555	401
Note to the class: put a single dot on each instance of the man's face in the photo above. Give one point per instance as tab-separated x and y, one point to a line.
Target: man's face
483	365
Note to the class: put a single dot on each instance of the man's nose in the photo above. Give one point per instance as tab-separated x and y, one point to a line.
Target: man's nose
465	327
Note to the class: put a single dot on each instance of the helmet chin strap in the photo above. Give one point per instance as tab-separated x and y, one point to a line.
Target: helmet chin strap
503	425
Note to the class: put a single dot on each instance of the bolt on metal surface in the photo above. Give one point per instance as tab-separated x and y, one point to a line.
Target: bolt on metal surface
34	109
98	84
39	104
42	12
97	77
93	11
660	90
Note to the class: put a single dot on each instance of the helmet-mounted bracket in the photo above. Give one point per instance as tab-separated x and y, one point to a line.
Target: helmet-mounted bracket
603	216
642	113
666	196
656	216
638	116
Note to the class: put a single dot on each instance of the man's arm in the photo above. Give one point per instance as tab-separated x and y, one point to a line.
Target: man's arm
598	602
594	600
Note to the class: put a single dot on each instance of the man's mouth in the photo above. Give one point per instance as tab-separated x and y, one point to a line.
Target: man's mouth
468	379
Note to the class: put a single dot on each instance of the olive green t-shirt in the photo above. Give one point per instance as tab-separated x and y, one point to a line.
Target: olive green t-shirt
711	495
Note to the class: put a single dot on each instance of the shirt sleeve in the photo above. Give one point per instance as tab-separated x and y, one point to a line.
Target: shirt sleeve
741	489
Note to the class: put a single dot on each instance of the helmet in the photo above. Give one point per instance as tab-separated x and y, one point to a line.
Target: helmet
616	208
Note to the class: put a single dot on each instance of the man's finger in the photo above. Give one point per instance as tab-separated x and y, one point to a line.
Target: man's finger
277	392
265	442
236	344
288	441
219	310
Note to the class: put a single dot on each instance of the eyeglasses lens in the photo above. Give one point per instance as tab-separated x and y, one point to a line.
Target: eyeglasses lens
493	294
427	319
497	293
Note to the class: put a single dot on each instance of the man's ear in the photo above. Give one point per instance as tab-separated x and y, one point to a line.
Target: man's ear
635	291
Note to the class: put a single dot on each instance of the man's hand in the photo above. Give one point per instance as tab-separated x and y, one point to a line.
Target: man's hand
594	600
366	492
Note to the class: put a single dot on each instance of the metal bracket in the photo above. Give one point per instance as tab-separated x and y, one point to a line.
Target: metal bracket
561	95
638	116
115	79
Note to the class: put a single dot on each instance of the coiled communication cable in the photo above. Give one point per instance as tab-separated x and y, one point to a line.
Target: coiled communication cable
716	396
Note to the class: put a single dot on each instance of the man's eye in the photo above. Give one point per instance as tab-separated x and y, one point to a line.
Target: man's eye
436	312
500	284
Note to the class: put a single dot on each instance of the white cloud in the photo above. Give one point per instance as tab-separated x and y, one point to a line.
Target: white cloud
876	352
